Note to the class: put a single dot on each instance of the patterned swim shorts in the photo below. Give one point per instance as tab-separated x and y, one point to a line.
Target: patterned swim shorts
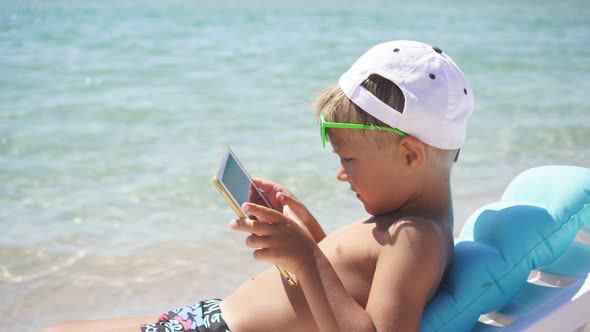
204	316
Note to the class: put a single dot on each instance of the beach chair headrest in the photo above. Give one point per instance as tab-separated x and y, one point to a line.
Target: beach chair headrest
531	227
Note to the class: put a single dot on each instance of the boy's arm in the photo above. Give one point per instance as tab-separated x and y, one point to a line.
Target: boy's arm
284	201
281	241
332	307
408	271
407	274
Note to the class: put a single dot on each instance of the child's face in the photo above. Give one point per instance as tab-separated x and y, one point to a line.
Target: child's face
375	175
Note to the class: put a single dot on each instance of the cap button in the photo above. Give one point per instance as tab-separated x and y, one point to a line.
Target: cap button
437	49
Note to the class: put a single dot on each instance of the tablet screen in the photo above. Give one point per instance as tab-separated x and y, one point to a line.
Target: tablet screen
239	185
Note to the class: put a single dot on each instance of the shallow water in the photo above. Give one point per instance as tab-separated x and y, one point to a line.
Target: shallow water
112	118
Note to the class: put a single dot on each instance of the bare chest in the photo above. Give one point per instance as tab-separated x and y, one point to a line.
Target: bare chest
353	253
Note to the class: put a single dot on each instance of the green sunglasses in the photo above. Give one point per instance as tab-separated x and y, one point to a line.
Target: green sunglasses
325	125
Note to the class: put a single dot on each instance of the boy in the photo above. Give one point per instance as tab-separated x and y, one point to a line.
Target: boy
396	120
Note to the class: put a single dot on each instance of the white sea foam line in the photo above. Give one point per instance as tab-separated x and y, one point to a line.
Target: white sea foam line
108	282
8	277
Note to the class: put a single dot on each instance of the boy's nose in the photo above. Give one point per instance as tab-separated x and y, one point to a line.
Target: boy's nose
341	174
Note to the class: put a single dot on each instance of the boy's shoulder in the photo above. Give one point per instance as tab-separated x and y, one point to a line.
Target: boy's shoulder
408	237
414	253
413	231
400	259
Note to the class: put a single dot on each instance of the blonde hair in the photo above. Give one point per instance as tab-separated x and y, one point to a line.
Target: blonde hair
333	104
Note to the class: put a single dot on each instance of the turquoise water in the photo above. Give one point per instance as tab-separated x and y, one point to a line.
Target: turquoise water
112	118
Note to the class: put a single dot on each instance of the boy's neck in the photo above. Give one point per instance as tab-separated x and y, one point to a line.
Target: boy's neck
432	202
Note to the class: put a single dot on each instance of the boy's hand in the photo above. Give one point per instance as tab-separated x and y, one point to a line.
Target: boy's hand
277	238
284	201
270	190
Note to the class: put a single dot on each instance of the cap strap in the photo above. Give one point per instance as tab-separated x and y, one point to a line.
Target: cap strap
374	106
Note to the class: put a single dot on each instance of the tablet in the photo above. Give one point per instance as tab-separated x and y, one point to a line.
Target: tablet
237	187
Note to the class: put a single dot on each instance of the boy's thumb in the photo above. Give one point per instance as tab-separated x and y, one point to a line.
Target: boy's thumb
283	199
293	203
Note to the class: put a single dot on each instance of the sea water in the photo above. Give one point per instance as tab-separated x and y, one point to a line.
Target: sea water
113	116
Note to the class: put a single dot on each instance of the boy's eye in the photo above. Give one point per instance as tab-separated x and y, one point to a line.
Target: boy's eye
345	160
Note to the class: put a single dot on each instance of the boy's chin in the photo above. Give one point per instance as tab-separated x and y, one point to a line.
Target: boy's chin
376	212
372	210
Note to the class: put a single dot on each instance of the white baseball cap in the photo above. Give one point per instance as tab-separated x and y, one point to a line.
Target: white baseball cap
438	98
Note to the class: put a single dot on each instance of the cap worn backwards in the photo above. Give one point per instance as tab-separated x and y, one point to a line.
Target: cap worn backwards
438	98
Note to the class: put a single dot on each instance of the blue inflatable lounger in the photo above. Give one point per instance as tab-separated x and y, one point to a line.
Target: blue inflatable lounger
522	263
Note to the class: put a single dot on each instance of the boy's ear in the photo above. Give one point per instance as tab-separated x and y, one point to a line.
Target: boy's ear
412	151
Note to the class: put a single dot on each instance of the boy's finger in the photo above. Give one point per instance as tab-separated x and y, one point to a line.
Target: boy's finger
251	226
263	213
241	225
293	203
